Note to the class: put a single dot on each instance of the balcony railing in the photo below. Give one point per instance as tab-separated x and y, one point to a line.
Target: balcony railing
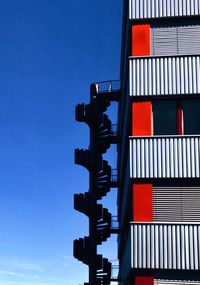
143	9
165	157
177	75
165	246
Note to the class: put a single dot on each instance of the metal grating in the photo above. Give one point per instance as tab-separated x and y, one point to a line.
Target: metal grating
164	75
165	157
165	246
144	9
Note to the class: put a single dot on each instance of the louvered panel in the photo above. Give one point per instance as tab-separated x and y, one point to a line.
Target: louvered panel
175	40
164	41
168	246
183	202
168	157
175	282
189	40
144	9
164	75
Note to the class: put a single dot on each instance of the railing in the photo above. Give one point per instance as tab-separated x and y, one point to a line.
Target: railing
143	9
114	131
177	75
165	157
114	175
165	246
115	271
114	223
106	86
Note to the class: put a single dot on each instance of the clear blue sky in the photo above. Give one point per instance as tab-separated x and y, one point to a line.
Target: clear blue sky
50	51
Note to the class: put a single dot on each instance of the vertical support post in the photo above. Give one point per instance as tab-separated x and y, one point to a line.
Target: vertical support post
92	179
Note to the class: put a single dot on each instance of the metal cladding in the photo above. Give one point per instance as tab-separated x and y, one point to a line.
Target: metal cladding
145	9
161	41
175	75
166	246
165	157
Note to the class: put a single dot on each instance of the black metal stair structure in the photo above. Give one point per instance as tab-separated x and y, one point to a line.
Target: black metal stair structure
101	179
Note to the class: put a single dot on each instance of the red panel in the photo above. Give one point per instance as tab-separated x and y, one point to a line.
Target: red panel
179	114
142	123
140	280
142	203
141	40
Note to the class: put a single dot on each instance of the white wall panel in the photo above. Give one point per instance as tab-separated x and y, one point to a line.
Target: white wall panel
144	9
164	75
167	246
168	157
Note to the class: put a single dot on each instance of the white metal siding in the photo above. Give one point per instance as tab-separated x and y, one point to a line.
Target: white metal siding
176	204
175	282
183	40
164	75
143	9
165	157
166	246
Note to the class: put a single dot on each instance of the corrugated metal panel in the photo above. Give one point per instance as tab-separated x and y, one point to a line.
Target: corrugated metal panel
164	75
175	40
175	282
183	202
167	246
165	157
143	9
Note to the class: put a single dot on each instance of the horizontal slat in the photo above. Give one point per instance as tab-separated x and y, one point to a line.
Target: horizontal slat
167	246
167	157
165	75
144	9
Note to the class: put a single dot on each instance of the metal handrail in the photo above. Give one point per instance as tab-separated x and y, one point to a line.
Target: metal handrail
106	86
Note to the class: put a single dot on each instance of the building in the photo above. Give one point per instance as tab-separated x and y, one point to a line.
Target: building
158	158
159	150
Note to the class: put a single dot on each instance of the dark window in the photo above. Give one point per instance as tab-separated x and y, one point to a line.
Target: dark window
164	117
191	114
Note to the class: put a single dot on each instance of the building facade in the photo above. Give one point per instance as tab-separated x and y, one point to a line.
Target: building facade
158	150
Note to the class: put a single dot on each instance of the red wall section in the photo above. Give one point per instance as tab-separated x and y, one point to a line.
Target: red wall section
142	122
141	40
142	203
179	115
140	280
